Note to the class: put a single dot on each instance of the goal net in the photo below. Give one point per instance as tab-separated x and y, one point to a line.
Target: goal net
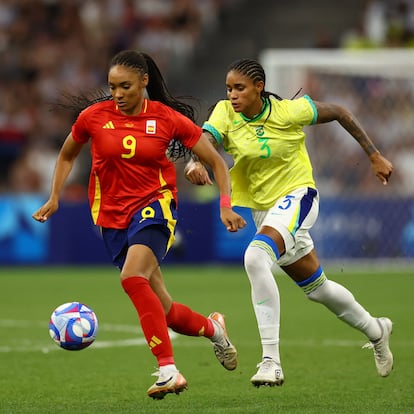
359	217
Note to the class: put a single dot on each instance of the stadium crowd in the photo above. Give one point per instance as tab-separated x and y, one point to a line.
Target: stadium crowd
383	23
51	46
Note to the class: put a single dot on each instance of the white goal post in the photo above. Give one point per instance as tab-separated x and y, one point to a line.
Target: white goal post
286	66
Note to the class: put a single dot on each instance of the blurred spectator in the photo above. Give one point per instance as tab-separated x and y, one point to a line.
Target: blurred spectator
51	46
384	23
374	21
400	23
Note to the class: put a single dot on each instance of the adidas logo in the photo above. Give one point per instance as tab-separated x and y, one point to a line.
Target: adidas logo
109	125
154	342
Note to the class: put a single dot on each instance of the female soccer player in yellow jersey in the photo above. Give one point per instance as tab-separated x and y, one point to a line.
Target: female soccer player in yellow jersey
272	175
133	198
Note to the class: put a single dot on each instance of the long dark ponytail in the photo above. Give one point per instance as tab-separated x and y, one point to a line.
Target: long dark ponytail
157	90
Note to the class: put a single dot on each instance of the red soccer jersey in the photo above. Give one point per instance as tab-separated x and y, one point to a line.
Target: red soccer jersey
129	164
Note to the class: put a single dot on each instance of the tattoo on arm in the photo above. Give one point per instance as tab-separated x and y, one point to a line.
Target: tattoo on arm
194	157
212	141
355	129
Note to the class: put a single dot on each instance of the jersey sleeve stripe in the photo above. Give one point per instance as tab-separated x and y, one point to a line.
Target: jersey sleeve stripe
315	111
213	131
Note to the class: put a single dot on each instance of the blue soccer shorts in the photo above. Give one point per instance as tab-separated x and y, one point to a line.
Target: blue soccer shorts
152	226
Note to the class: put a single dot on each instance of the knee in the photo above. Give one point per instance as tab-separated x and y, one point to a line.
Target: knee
316	286
255	261
249	260
321	293
125	275
260	254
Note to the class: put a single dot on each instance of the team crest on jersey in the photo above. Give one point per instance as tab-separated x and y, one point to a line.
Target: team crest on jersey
260	131
151	126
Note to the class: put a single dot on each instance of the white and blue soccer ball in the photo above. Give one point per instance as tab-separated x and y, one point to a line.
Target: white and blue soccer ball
73	326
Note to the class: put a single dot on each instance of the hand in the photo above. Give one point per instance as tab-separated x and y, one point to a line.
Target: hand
44	212
231	220
381	167
197	174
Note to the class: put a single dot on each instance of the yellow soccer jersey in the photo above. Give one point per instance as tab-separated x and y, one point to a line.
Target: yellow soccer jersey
269	152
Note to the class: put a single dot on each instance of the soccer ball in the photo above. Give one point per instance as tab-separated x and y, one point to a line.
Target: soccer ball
73	326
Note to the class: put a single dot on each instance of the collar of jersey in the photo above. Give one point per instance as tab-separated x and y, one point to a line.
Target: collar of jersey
143	109
265	107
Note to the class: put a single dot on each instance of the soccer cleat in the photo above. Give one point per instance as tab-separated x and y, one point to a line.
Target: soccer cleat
225	351
382	353
171	382
269	373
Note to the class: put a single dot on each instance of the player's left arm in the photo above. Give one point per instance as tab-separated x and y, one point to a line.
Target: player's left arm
195	171
328	112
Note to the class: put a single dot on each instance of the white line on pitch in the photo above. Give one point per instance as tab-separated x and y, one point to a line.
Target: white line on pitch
99	344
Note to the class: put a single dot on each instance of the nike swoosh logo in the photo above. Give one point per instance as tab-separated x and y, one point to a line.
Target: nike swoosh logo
237	122
262	302
162	383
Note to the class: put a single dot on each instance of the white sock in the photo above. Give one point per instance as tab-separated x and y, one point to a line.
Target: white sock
265	299
342	303
218	333
166	370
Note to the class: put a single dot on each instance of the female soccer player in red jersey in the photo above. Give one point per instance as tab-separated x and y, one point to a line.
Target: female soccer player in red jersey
133	198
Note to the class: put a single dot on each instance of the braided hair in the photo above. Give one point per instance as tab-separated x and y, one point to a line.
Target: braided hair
254	71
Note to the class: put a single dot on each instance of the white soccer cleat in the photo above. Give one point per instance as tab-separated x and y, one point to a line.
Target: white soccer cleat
382	353
167	383
269	373
225	351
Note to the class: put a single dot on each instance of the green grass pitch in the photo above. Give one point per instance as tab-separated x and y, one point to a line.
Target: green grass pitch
326	371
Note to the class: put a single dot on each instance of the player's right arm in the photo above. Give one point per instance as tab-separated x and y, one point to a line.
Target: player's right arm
64	163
